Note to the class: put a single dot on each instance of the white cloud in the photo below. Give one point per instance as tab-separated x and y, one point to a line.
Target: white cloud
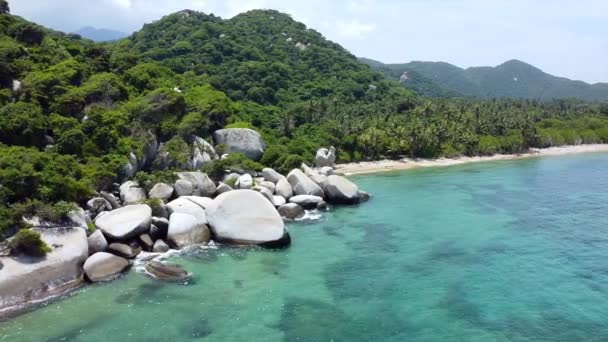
126	4
353	29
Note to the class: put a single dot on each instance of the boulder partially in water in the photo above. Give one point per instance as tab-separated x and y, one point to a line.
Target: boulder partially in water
186	230
291	211
246	217
340	190
104	266
306	201
24	279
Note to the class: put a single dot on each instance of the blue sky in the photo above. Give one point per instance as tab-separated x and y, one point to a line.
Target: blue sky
563	37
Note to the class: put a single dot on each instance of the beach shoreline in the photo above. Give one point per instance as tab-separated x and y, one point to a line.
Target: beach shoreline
349	169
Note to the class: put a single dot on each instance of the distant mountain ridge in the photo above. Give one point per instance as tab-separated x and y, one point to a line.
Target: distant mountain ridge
512	79
101	34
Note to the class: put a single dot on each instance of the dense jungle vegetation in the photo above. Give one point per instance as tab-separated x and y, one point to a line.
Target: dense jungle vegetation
72	110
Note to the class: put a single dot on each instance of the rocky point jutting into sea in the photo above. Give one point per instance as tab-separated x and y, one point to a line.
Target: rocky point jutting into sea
101	241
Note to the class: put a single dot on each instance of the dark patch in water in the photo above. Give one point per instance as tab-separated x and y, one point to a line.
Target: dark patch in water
238	283
332	231
199	328
275	265
458	305
450	252
206	256
73	334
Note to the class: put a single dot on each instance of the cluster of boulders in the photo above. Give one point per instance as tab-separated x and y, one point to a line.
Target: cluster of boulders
246	208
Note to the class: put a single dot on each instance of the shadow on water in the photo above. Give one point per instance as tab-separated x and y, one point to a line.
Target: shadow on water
73	334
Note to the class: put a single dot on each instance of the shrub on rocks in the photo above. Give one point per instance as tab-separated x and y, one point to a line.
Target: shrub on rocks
28	242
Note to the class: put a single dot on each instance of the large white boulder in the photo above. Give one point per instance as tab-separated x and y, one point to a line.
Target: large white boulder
246	217
325	157
126	222
241	140
202	185
319	179
161	191
303	185
185	230
104	266
184	205
340	190
25	279
271	175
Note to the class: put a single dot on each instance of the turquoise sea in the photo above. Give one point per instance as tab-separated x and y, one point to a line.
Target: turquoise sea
500	251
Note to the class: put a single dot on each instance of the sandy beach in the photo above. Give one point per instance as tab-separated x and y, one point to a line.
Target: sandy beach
407	163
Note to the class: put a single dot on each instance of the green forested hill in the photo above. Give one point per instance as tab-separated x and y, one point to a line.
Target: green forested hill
74	112
512	79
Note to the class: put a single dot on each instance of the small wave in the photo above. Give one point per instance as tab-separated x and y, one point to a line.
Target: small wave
311	215
143	257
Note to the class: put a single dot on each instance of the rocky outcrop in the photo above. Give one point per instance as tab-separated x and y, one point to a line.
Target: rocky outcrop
241	140
246	217
340	190
186	230
97	242
306	201
291	211
271	175
26	279
202	153
303	185
319	179
202	185
126	222
104	266
325	157
131	193
161	191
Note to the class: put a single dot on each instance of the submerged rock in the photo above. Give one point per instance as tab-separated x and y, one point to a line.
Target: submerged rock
165	272
246	217
104	266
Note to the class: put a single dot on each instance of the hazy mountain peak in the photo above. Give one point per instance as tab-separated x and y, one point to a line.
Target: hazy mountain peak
100	34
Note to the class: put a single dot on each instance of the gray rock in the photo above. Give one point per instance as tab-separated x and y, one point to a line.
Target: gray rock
221	188
271	175
161	222
303	185
322	206
319	179
97	242
244	182
278	200
159	208
160	247
183	188
146	242
246	217
291	211
104	266
156	233
126	222
340	190
327	170
111	199
203	153
185	206
201	183
122	250
160	271
325	157
25	279
283	188
131	193
306	201
363	196
98	204
186	230
270	185
265	192
161	191
241	140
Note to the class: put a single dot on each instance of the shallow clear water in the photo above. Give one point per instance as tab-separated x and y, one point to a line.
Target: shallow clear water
500	251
